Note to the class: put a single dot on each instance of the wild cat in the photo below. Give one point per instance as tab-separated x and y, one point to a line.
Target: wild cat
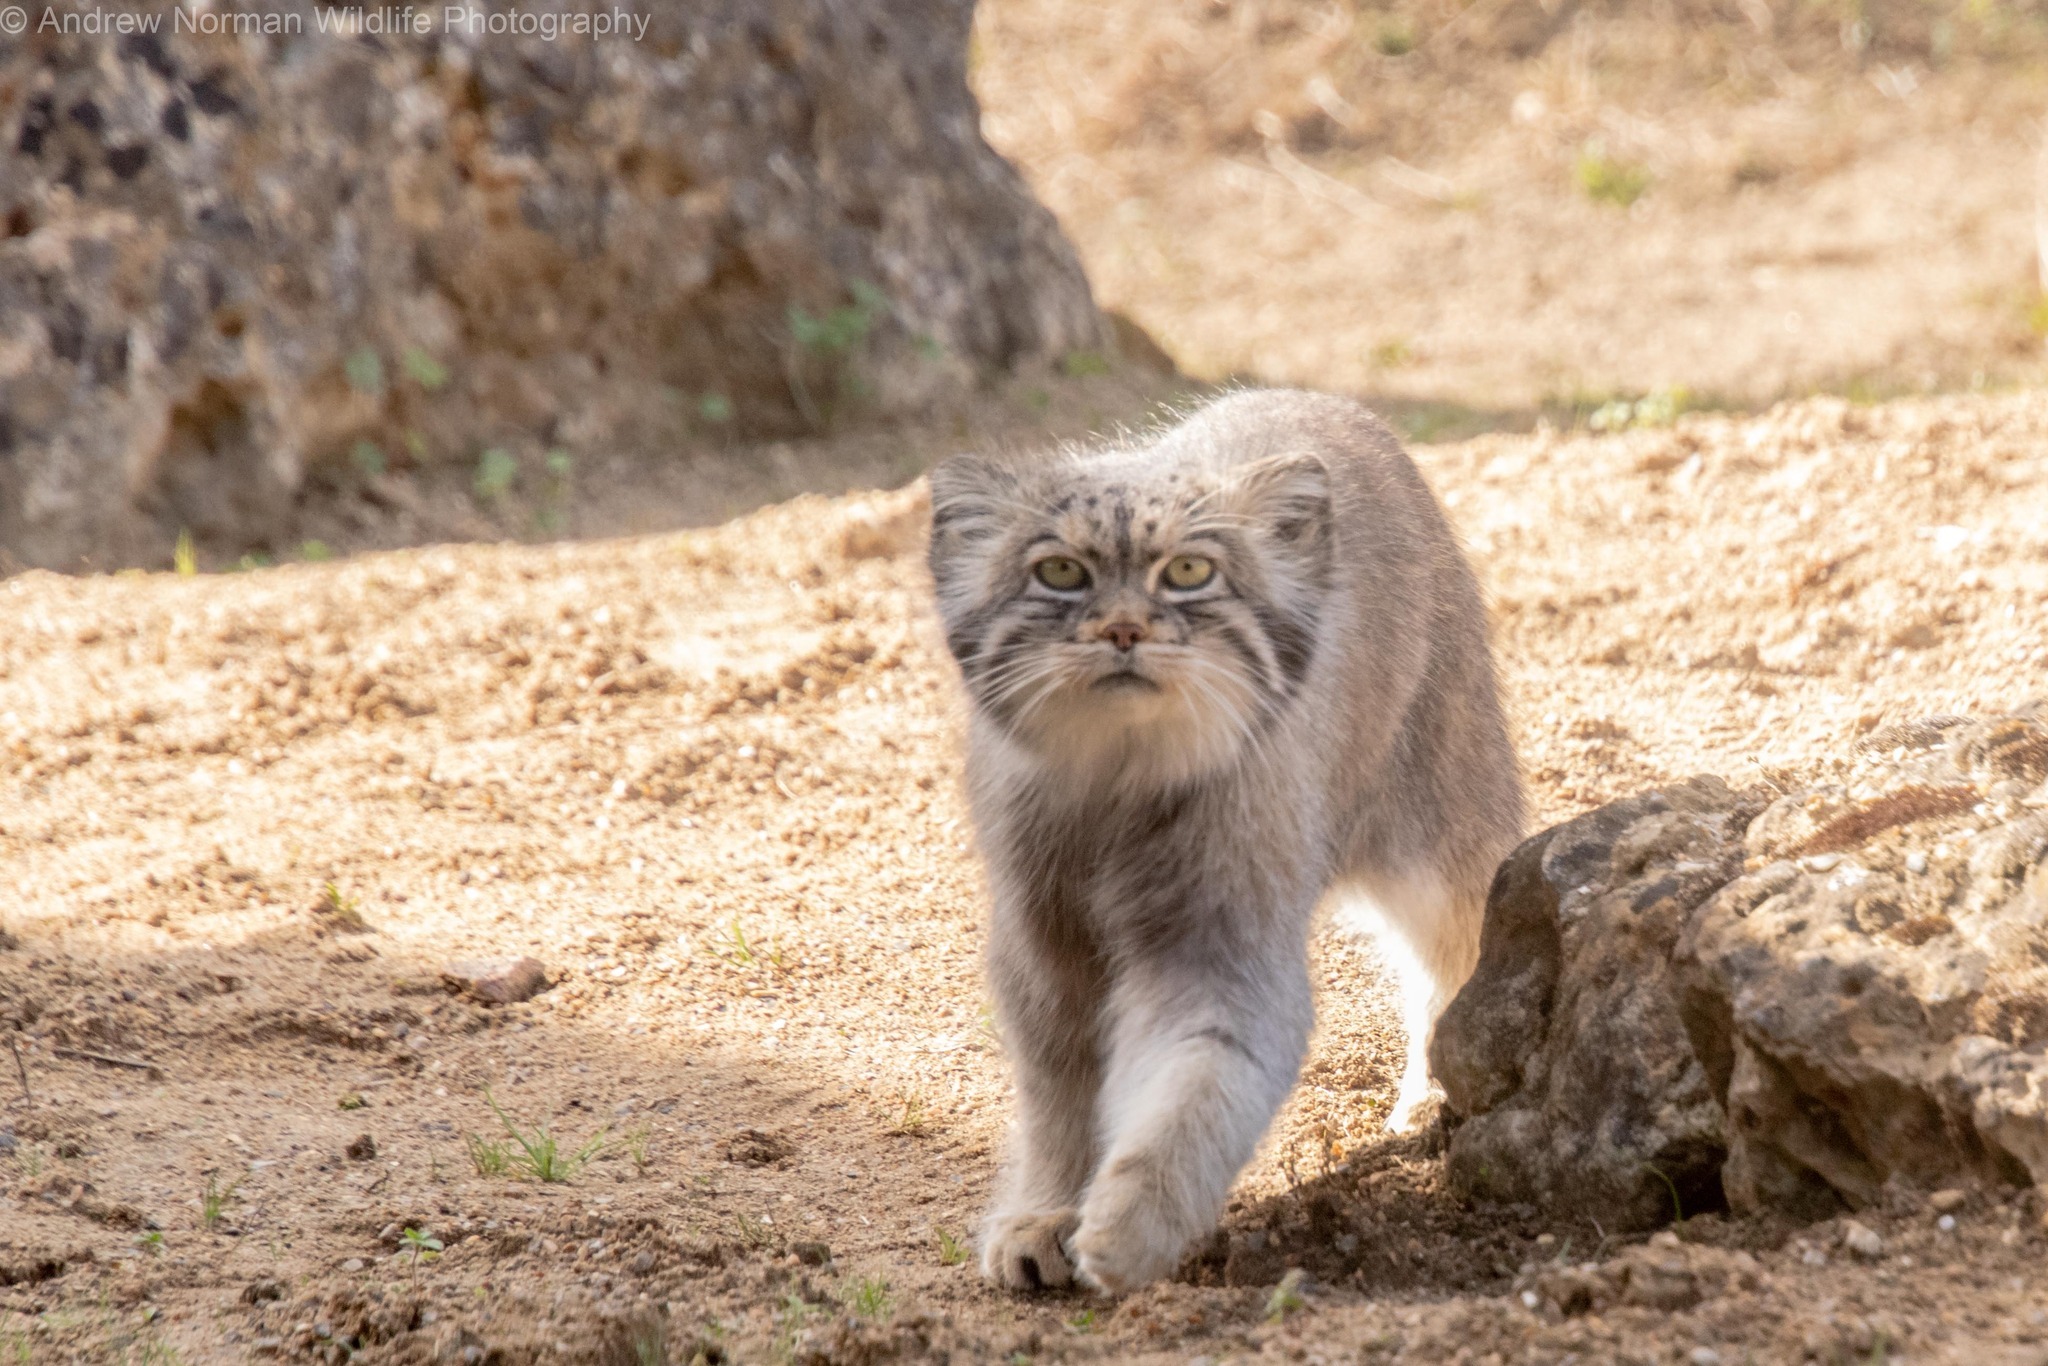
1216	678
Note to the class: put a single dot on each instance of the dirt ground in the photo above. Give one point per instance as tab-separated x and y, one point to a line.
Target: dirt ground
1475	211
710	780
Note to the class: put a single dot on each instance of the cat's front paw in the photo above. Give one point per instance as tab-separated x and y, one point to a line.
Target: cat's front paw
1129	1235
1029	1251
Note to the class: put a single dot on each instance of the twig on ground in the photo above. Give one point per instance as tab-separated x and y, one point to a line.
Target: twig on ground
20	1069
87	1055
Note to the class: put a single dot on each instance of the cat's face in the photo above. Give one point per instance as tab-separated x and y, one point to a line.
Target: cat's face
1110	610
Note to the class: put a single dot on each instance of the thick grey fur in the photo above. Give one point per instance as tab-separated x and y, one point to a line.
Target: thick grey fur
1320	724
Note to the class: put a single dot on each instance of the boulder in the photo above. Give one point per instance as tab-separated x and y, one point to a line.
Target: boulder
1783	1000
233	262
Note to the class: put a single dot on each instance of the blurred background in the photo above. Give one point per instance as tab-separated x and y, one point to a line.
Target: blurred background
271	293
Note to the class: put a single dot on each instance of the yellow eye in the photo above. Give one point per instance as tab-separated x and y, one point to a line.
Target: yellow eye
1189	571
1061	574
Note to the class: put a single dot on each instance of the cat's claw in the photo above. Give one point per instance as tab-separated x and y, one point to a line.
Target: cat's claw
1029	1251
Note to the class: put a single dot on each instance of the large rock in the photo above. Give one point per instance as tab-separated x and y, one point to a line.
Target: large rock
234	261
1696	993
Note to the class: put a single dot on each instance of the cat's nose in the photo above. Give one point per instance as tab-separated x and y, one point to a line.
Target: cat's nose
1124	634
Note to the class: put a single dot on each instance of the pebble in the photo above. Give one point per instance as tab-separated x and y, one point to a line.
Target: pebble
1946	1223
1916	862
496	981
1704	1356
1948	1201
1862	1240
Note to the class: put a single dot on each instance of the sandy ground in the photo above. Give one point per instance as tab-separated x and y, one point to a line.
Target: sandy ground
1474	212
710	779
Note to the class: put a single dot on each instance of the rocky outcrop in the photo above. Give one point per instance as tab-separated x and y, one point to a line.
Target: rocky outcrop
1787	1000
239	260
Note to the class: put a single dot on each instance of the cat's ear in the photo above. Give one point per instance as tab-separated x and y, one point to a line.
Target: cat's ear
965	485
1289	495
969	496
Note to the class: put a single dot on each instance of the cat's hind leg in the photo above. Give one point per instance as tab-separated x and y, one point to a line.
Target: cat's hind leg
1427	930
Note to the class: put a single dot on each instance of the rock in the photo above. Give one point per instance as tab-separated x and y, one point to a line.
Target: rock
1695	994
262	1291
811	1254
496	981
362	1148
755	1148
1947	1201
1664	1275
273	265
1566	1056
1862	1240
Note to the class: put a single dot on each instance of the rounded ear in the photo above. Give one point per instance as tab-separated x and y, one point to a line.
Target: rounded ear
961	484
969	495
1290	494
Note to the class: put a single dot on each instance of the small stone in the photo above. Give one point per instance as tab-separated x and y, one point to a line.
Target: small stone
1862	1240
1946	1223
1916	862
496	981
1703	1356
812	1254
352	1264
1947	1201
362	1149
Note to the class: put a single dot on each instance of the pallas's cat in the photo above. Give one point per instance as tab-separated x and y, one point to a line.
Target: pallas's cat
1218	676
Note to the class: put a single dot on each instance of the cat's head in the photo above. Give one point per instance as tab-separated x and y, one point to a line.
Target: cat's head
1130	609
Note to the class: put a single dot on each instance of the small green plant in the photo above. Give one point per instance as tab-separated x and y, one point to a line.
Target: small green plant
752	1231
1083	1322
715	408
316	552
213	1201
1609	181
1677	1208
868	1297
1392	354
420	1246
1286	1297
1395	38
496	472
637	1140
832	343
741	950
184	555
423	369
790	1319
365	370
952	1251
345	910
30	1158
152	1242
1658	408
539	1154
489	1158
352	1101
648	1338
555	505
368	459
910	1119
1081	364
